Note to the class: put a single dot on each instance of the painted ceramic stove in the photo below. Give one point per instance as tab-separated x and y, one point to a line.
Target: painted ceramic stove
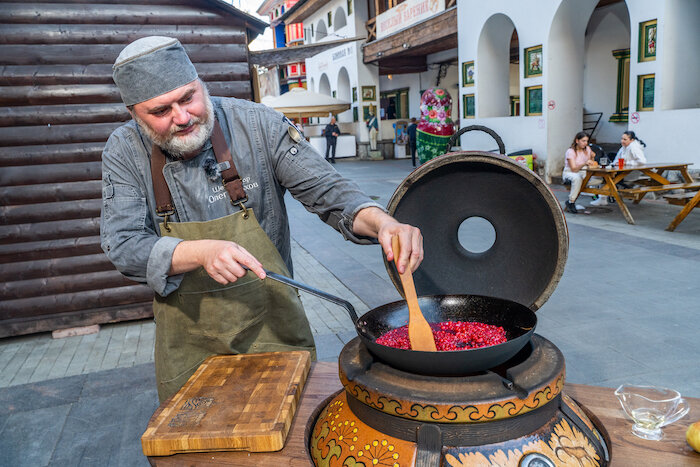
513	415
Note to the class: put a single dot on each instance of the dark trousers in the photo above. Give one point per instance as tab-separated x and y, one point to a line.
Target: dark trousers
412	148
330	146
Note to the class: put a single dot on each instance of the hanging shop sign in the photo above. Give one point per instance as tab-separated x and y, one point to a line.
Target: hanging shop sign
406	14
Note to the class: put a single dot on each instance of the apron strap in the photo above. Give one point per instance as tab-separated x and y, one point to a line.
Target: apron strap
229	176
164	201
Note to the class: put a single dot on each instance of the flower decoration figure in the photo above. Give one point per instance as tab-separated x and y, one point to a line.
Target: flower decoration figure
435	126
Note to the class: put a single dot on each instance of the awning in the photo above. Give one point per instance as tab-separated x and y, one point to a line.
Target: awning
302	103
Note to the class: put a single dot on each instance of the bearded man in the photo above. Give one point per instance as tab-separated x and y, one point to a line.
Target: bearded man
193	197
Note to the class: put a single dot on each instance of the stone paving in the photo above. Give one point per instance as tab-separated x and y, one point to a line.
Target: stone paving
625	310
30	359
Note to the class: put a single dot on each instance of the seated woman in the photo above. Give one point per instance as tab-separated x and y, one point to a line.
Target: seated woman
633	155
631	150
578	156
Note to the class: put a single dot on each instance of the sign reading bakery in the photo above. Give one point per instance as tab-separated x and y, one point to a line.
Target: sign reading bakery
405	14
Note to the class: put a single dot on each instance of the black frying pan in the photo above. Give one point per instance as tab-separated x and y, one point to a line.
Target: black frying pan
518	321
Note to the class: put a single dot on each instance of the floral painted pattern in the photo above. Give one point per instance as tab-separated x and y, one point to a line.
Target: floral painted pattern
566	446
340	439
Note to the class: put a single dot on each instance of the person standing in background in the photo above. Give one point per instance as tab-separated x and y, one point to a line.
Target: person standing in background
373	127
411	130
331	132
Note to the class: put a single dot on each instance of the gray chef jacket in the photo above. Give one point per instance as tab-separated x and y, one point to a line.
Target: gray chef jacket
269	162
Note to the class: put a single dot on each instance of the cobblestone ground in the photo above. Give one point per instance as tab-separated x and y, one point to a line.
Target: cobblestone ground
30	359
625	311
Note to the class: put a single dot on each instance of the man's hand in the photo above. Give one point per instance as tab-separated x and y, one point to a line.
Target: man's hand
373	222
222	260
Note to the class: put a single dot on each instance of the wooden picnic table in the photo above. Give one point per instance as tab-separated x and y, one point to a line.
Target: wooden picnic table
626	449
654	182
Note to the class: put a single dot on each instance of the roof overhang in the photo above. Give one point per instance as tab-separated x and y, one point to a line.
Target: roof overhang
285	55
395	53
302	10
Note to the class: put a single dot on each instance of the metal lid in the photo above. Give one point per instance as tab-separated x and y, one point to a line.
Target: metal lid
529	252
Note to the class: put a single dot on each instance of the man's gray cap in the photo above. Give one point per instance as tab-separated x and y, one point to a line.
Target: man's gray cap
150	67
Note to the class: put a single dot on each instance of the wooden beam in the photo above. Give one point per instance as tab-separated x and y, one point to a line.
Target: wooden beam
284	55
402	65
37	306
66	13
35	75
42	212
30	251
19	326
50	154
55	267
120	34
432	32
47	231
87	54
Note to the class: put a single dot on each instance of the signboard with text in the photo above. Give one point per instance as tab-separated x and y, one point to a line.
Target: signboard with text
405	14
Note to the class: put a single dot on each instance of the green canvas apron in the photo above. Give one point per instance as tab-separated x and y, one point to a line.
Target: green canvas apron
204	318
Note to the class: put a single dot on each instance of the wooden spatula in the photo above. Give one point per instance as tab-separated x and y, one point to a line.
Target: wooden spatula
419	332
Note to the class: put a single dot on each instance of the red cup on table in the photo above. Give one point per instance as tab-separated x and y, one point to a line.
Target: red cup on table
620	163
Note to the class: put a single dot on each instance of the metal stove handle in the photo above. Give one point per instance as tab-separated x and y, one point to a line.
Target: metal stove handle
326	296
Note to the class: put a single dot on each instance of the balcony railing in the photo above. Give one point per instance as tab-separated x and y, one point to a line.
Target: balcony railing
371	27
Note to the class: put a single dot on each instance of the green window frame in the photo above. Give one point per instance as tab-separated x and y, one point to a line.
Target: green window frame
623	86
349	7
645	92
468	107
330	19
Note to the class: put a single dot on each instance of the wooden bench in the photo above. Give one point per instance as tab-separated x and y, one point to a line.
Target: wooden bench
651	188
690	200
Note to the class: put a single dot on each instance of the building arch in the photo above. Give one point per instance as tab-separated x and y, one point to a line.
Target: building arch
493	70
344	93
321	30
339	19
606	73
564	59
324	85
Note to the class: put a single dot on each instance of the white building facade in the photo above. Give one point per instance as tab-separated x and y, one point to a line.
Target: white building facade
392	90
339	71
549	62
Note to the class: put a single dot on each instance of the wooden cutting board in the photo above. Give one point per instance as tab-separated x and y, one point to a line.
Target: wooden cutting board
231	403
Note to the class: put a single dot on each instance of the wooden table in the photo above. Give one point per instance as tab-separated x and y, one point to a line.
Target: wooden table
655	182
323	381
688	201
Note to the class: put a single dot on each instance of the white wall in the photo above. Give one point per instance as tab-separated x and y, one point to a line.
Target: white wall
607	30
665	129
681	55
493	72
531	19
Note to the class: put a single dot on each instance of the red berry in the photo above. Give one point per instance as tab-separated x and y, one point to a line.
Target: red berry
450	335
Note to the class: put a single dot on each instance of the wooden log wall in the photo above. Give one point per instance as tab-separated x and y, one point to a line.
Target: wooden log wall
58	106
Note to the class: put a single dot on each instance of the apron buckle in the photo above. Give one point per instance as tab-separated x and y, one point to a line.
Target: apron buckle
240	204
243	208
166	215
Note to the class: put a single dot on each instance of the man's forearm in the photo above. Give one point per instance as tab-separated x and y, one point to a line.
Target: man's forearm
369	220
186	257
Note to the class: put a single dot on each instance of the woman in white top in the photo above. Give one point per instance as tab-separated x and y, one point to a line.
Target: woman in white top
633	155
578	157
631	150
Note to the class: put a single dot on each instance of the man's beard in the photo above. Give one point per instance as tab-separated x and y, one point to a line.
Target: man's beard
178	147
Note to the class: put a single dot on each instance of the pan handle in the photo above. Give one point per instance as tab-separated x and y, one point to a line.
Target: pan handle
326	296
